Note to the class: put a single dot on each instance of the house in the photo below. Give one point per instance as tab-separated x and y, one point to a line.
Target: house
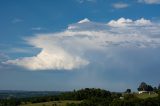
121	98
140	92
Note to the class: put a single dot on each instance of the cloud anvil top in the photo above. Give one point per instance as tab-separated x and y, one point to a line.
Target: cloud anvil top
66	50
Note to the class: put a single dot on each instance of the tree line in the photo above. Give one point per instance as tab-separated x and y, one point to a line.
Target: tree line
92	97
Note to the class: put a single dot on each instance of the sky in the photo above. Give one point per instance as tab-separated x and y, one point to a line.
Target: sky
62	45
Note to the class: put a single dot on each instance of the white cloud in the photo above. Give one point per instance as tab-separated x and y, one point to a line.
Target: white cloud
84	21
67	49
128	22
143	21
120	5
120	22
149	1
48	59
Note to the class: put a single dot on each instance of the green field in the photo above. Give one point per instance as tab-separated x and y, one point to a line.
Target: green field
52	103
146	95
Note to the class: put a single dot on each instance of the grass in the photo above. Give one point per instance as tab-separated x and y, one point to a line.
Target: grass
52	103
146	95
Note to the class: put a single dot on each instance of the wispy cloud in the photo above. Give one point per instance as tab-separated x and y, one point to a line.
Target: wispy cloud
38	28
67	50
83	1
120	5
149	1
17	20
18	50
27	50
3	57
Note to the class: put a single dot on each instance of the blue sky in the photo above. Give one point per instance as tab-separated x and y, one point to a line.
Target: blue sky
73	44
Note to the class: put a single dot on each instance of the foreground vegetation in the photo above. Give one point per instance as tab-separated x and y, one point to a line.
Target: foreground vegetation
146	95
91	97
53	103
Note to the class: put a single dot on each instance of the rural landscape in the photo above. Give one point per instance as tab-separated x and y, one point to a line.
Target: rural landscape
79	53
146	96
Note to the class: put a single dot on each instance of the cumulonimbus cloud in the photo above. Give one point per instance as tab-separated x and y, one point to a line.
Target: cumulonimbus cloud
66	50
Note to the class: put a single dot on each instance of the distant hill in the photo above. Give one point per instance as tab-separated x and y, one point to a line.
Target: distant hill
4	94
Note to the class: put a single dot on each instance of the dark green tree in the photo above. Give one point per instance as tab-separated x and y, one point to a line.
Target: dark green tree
159	87
155	89
128	91
149	88
142	87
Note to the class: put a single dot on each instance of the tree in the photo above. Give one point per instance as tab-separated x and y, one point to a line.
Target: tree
149	88
159	87
142	87
128	91
155	89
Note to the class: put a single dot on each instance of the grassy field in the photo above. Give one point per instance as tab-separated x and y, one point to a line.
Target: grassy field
52	103
146	95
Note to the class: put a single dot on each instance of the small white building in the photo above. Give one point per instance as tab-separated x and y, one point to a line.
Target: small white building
140	92
121	98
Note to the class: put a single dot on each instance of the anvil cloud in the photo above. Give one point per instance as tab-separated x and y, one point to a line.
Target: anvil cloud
67	50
